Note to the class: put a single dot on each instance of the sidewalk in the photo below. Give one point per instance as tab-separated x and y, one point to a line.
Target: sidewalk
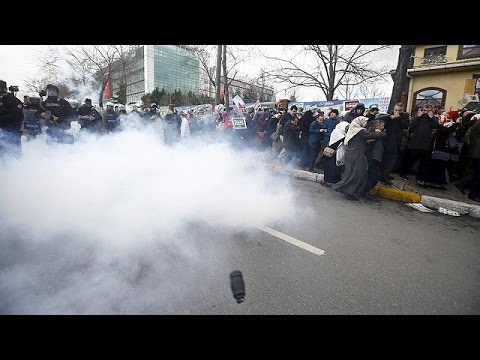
402	190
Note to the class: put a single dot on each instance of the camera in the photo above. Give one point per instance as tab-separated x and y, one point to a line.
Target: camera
13	88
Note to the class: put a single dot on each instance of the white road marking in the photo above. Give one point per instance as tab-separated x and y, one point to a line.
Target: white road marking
292	240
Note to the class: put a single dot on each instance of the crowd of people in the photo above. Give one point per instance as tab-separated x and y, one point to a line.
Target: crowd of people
354	149
359	148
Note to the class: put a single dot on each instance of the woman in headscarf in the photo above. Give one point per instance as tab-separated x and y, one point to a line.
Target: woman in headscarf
356	166
333	166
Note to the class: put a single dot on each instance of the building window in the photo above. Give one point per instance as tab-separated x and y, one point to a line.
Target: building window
432	95
468	51
477	84
435	55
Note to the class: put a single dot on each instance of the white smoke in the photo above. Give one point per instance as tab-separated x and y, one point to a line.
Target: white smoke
81	92
122	224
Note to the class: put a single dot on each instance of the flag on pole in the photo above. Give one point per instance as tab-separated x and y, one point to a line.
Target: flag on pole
107	93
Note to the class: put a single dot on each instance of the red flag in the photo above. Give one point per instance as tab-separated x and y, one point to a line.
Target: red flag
107	93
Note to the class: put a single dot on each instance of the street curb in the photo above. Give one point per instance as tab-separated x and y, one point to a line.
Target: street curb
396	194
460	207
388	192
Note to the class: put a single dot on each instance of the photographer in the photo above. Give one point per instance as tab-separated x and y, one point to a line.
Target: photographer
11	117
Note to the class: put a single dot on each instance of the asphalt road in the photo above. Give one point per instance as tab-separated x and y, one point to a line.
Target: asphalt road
380	258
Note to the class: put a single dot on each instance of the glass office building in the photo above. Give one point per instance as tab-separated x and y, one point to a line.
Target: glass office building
175	69
170	67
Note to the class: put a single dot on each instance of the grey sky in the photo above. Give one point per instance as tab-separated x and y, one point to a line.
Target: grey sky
18	63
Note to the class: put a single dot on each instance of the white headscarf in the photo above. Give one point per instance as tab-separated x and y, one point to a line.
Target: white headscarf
355	127
339	132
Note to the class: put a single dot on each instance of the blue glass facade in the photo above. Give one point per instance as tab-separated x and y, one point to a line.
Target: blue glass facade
175	69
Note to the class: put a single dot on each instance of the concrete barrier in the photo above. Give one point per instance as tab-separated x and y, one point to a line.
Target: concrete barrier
460	207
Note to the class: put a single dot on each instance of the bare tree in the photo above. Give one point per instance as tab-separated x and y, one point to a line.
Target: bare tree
262	83
401	81
348	91
369	91
125	63
365	90
209	64
327	66
100	59
203	53
82	70
47	61
293	94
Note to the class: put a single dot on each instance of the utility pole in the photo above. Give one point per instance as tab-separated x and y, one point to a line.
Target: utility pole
217	75
225	79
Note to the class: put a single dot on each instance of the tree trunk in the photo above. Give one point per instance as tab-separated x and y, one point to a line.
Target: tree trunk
100	100
401	81
330	94
225	80
217	75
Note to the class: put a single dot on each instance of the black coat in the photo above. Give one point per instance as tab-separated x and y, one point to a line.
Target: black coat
351	115
375	150
394	129
60	108
91	111
474	140
11	114
290	134
283	120
421	132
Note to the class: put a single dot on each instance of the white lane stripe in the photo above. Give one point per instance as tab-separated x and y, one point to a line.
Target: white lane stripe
292	240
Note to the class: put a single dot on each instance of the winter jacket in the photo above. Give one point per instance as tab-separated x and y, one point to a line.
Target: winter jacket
394	130
329	124
421	132
474	140
315	135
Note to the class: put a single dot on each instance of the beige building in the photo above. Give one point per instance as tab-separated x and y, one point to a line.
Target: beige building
442	75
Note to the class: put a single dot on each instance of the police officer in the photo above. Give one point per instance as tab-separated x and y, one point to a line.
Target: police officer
58	115
122	110
110	118
32	124
11	117
89	118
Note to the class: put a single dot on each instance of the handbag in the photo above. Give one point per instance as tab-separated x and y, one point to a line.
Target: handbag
453	145
328	151
439	154
274	136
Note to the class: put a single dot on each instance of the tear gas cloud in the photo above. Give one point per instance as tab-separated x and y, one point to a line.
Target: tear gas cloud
102	225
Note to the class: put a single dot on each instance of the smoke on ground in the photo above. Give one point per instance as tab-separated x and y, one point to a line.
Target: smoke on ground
110	224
